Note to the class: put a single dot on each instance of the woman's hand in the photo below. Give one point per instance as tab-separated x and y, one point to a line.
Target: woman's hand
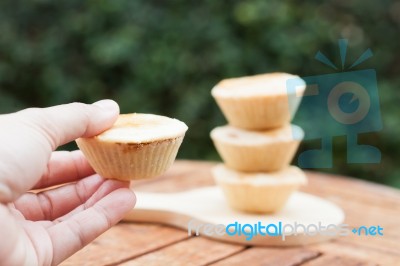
47	227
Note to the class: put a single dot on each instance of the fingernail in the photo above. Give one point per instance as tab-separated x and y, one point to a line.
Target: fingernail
108	105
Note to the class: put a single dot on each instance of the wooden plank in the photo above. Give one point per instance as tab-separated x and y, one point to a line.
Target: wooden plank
270	257
364	203
194	251
182	176
353	189
360	214
356	251
125	241
146	244
383	244
193	174
326	260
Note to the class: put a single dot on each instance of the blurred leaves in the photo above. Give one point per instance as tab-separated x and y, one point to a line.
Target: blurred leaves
165	56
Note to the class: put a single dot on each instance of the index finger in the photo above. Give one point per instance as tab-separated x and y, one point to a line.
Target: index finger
65	167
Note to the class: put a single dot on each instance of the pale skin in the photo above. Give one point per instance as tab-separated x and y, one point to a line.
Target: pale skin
47	227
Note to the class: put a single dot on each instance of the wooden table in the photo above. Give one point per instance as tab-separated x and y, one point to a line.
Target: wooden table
154	244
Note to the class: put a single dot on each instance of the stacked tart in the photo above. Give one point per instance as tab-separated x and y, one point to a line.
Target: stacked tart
259	143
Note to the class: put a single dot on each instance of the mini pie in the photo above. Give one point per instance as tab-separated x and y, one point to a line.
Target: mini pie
258	102
258	192
257	151
137	146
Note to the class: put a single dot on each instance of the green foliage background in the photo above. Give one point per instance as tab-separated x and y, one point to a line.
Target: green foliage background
165	56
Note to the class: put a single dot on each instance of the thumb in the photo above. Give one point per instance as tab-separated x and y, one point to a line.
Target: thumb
64	123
